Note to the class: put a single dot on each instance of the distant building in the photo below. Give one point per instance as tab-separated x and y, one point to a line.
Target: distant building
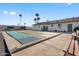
11	27
66	25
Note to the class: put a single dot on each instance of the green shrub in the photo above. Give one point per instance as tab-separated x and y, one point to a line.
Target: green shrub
76	28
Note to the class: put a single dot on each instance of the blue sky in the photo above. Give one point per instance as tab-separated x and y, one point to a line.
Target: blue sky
48	11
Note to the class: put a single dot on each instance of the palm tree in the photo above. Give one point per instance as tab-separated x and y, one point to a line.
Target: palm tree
73	17
36	14
24	24
38	19
20	15
35	20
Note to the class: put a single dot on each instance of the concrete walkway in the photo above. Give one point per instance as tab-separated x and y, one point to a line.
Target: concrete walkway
52	47
2	48
11	42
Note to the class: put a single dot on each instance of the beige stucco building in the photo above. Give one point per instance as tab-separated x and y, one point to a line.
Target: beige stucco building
66	25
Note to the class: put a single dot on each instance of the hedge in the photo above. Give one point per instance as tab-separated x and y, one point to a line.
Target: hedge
76	28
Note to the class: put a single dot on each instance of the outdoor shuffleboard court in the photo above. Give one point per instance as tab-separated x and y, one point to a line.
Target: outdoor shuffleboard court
21	37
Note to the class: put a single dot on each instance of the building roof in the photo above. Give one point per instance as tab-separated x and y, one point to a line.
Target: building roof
66	20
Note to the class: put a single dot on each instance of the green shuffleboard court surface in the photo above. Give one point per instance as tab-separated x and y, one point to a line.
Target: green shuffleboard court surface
21	37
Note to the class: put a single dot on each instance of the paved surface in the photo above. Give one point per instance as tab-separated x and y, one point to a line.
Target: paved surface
2	48
14	44
52	47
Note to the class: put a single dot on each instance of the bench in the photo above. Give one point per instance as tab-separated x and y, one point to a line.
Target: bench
72	48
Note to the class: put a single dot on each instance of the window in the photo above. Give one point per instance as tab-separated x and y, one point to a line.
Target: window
10	27
59	25
23	28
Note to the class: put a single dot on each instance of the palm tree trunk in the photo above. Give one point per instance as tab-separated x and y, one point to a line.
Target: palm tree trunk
20	21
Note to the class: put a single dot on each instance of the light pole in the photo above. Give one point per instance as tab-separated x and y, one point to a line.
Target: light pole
20	15
73	17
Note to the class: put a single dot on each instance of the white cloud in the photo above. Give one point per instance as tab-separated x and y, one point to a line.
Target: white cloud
5	12
12	13
69	3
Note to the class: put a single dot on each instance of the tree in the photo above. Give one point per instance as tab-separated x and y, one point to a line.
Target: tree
76	28
38	19
20	15
36	14
24	24
35	20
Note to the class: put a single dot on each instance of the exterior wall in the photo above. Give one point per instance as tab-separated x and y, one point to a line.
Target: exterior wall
4	27
37	27
75	24
63	26
53	28
16	27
